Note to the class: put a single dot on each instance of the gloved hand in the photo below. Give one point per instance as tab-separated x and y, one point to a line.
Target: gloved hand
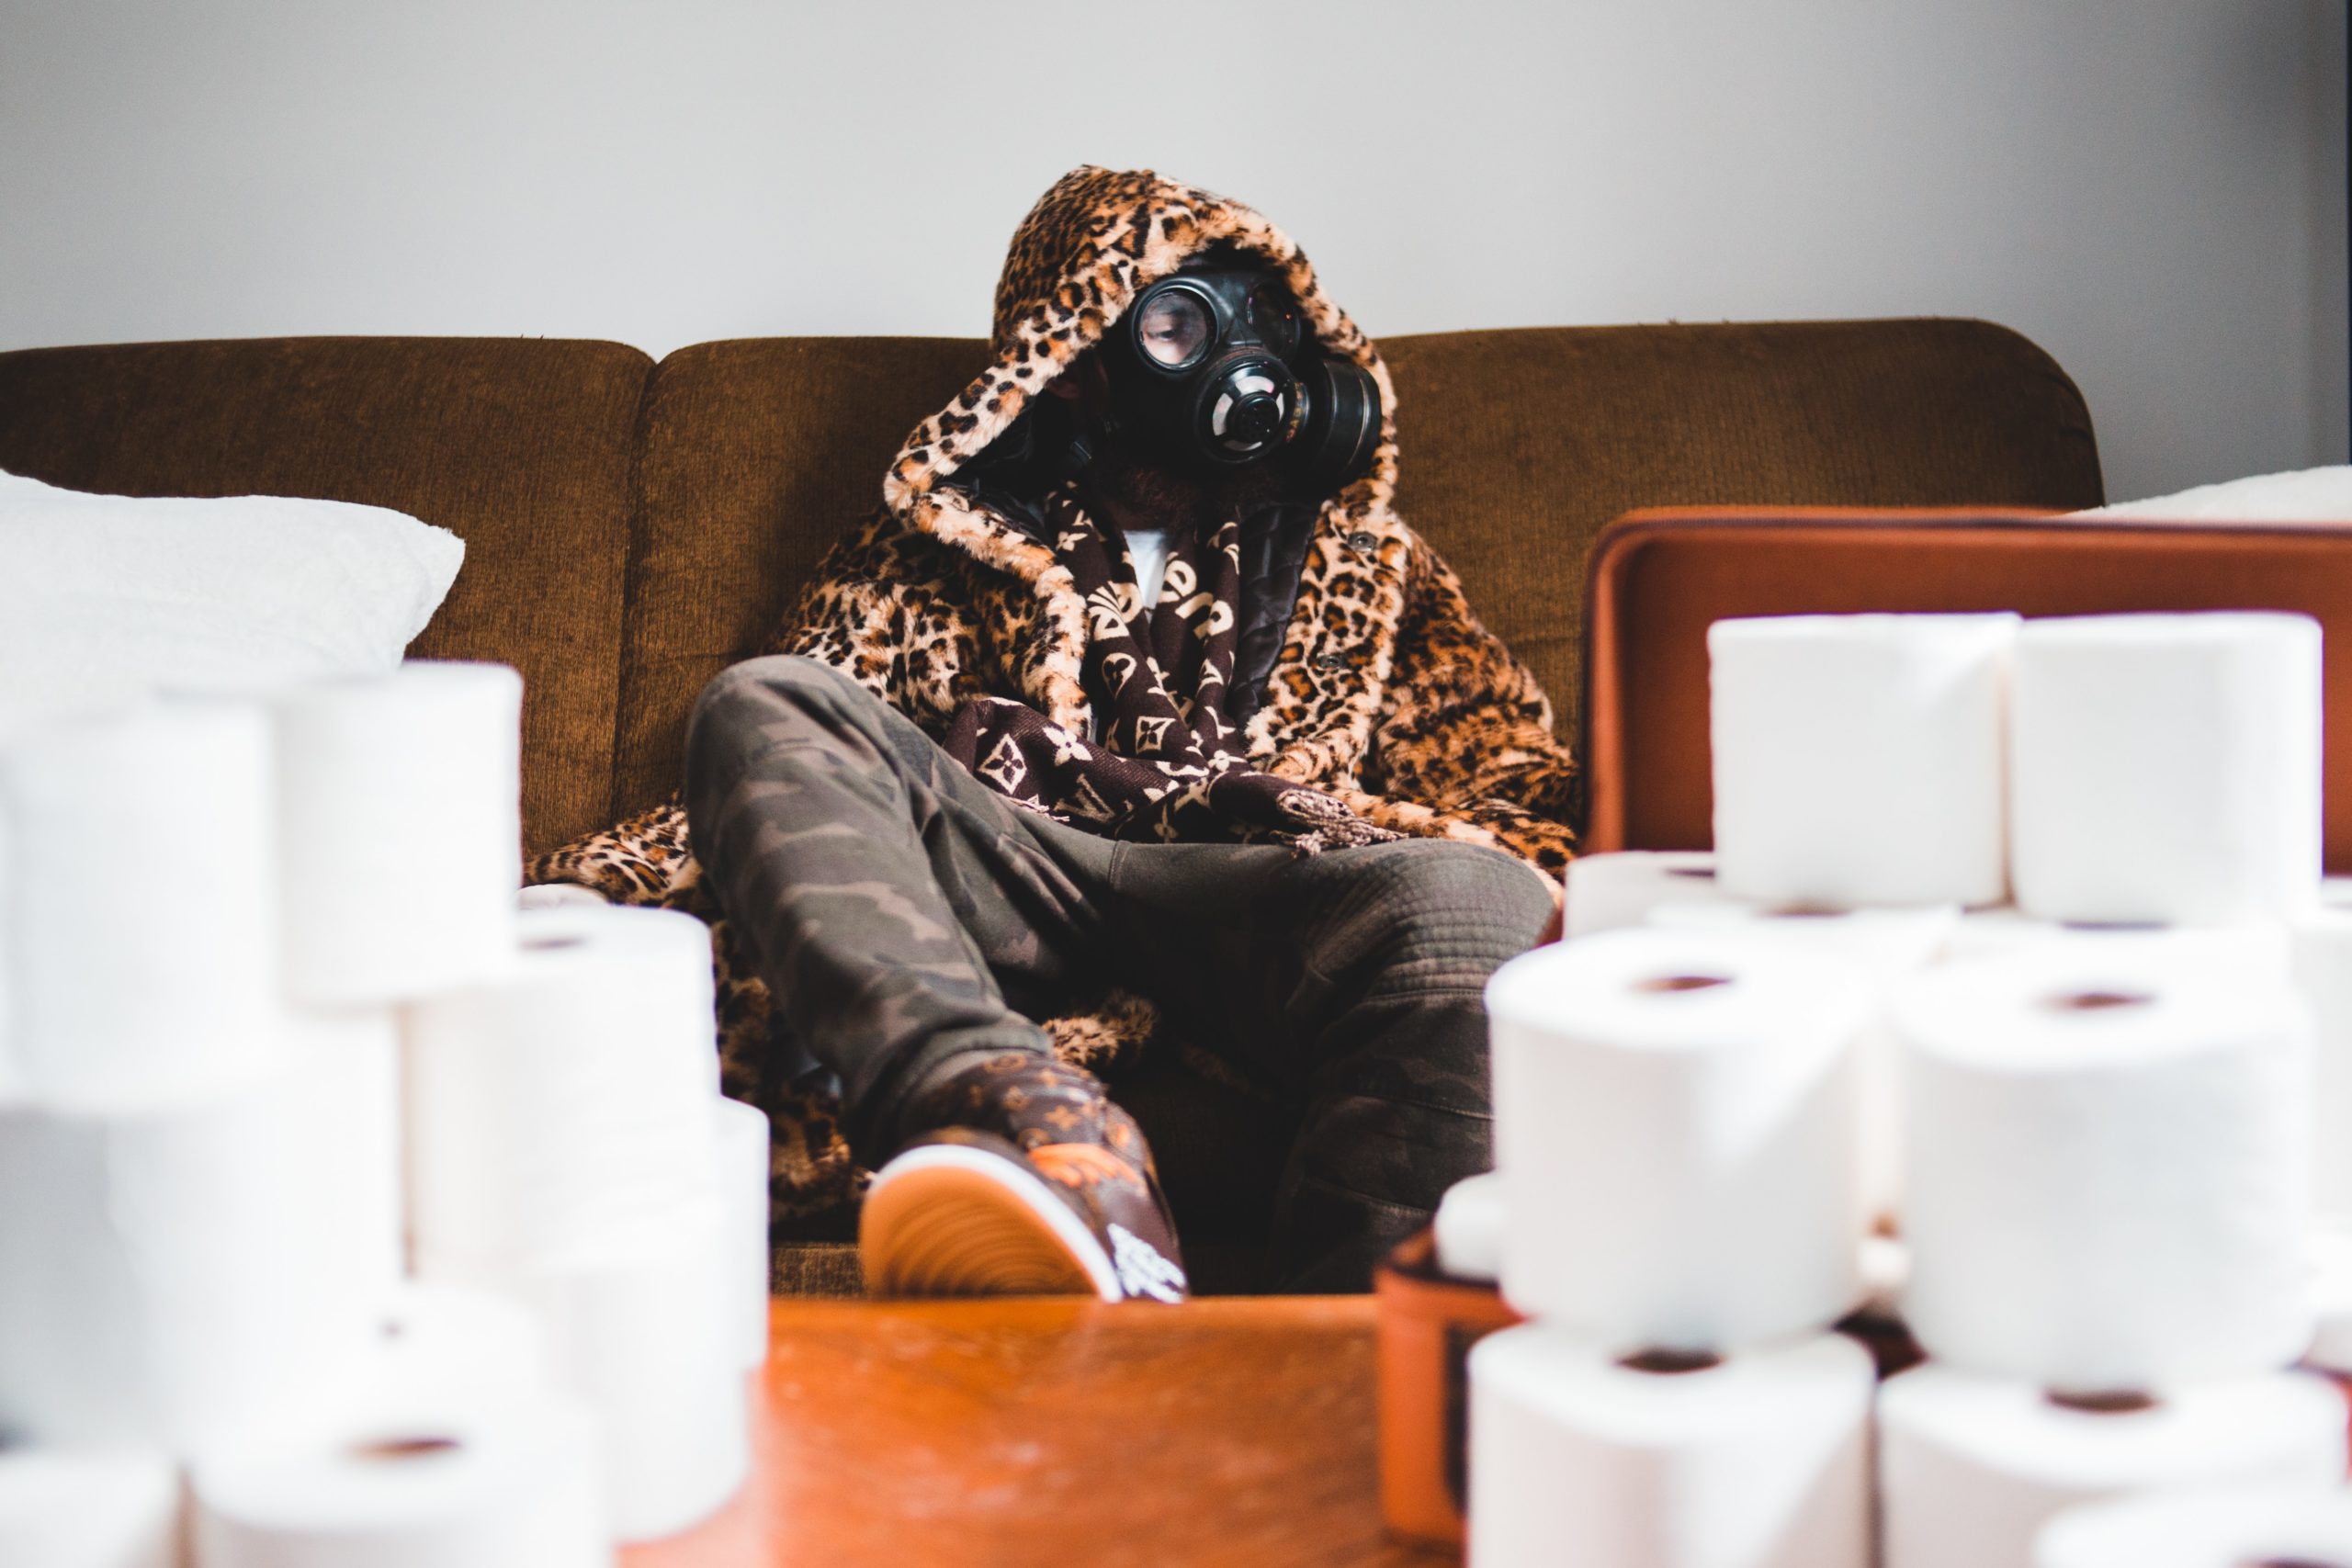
557	895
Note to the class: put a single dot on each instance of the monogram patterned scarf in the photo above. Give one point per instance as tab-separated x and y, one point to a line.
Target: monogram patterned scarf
1168	765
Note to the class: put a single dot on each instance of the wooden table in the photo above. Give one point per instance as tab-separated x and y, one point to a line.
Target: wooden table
941	1433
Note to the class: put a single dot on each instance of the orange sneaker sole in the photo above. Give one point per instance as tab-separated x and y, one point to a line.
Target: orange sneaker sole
943	1219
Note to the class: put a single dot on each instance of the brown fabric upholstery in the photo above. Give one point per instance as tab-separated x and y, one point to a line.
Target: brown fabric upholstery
1660	578
757	455
1517	447
520	446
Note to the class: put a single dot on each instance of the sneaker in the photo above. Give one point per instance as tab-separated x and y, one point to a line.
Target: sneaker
1039	1186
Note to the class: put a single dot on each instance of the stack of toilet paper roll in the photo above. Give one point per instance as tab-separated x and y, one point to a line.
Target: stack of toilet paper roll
219	917
2107	1223
1674	1124
2055	885
2258	1526
565	1150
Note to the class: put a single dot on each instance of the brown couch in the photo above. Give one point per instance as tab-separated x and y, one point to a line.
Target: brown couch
633	527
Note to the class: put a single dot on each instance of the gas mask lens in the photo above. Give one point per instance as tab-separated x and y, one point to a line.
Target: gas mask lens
1173	327
1214	367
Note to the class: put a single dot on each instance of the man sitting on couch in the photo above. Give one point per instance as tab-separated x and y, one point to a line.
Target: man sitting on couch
1134	704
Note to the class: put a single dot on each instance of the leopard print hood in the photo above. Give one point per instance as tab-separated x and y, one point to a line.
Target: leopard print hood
1094	241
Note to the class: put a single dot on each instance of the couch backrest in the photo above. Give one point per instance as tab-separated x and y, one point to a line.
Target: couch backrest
758	453
631	528
522	446
1516	446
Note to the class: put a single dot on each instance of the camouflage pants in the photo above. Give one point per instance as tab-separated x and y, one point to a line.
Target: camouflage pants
903	914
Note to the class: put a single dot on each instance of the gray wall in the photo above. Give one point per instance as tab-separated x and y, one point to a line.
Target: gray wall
2155	189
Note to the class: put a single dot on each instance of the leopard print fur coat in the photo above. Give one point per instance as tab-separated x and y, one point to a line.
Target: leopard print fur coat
1387	693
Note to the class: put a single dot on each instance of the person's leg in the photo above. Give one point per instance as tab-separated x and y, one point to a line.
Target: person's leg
901	914
1356	979
887	898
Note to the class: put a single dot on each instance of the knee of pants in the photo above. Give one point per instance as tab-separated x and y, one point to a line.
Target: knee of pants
756	689
1467	908
783	677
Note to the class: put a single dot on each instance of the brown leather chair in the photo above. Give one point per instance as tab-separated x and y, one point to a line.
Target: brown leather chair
1659	578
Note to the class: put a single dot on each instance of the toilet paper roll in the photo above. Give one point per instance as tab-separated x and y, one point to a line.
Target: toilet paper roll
1886	1272
14	1087
349	1136
2261	1526
651	1339
1677	1113
1971	1465
1858	759
170	1276
401	838
1761	1461
2322	966
2006	930
571	1103
2328	1258
1609	892
1888	945
88	1507
459	1341
1470	1228
2110	1175
743	1166
142	904
429	1482
2166	768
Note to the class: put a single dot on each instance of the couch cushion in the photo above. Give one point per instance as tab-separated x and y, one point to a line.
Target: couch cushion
1518	446
758	455
521	447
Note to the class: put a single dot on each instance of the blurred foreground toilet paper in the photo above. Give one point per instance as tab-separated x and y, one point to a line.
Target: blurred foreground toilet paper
76	1507
743	1167
2322	966
1887	944
169	1276
142	904
1677	1113
1469	1228
2166	768
565	1150
2270	1527
1858	759
433	1338
650	1336
2109	1173
1761	1460
1609	892
2006	930
2329	1257
429	1482
401	843
1971	1465
572	1098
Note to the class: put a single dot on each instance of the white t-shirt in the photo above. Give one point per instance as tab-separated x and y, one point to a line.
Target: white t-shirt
1149	551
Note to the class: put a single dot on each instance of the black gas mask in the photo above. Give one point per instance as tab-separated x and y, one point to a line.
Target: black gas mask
1213	369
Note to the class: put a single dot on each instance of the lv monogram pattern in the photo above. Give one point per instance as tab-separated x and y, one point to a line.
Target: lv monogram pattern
1168	765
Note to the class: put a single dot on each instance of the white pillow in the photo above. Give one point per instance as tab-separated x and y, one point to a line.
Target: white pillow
2310	495
106	598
